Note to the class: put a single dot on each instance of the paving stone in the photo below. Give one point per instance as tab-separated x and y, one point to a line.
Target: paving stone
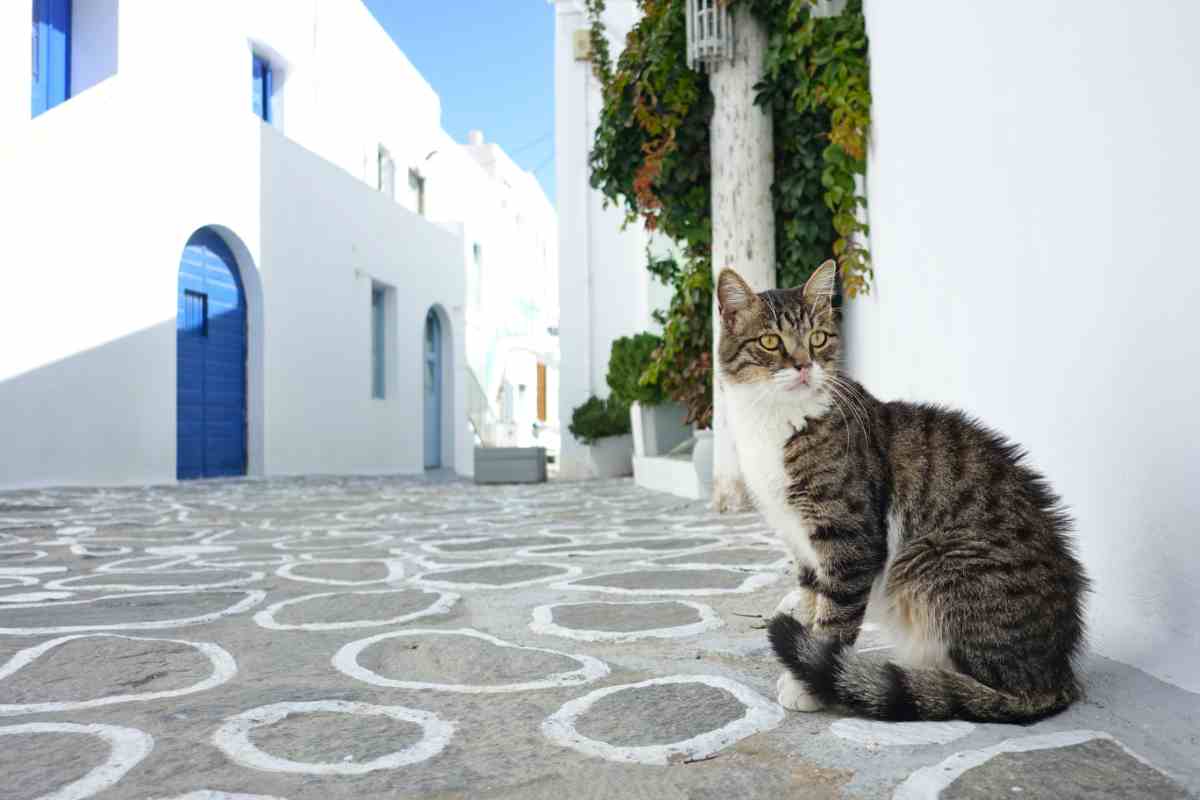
1095	770
659	714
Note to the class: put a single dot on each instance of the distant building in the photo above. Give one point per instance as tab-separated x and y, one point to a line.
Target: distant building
238	242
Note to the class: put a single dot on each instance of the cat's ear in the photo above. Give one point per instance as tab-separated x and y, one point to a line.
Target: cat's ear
733	295
821	285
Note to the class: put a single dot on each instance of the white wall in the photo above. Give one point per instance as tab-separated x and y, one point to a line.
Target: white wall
605	291
94	50
1031	189
319	262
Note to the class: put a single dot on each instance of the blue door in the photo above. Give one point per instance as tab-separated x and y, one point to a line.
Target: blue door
433	391
263	88
211	356
51	42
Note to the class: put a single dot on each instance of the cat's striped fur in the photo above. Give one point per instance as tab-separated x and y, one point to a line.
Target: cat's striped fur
920	512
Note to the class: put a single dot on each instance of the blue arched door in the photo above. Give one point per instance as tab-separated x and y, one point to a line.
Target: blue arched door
211	361
433	390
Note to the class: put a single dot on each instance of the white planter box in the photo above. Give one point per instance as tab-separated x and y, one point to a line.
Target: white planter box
675	476
611	457
657	429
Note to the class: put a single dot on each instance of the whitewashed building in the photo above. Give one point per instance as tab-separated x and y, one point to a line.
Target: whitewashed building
1030	265
605	291
238	242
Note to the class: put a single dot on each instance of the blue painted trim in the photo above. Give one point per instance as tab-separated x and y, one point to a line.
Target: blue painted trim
263	87
51	51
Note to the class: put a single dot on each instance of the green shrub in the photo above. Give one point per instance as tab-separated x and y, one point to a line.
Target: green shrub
631	357
598	418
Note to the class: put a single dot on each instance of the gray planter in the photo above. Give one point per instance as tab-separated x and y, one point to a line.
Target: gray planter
657	429
611	457
510	464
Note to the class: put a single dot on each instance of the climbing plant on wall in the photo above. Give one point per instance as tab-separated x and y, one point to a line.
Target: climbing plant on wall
651	155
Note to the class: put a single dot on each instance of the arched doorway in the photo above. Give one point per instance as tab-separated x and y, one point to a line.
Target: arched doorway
210	361
433	390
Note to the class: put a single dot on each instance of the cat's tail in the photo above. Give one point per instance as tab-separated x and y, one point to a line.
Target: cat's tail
834	674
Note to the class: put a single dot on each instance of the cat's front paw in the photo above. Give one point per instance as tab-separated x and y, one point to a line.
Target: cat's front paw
793	695
798	604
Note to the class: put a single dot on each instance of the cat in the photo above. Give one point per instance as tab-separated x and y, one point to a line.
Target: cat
921	513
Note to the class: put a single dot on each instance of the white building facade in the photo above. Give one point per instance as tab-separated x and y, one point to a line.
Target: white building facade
251	262
605	290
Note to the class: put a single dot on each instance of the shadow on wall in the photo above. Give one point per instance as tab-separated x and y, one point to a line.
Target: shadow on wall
104	415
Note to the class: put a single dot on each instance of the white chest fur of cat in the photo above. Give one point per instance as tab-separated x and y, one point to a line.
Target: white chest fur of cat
761	427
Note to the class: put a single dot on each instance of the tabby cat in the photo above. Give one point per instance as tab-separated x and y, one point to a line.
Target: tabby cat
960	549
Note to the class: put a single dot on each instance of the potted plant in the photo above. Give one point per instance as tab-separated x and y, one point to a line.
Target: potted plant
658	423
603	425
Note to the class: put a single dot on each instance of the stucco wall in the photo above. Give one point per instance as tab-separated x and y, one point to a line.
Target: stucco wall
605	291
1031	190
319	262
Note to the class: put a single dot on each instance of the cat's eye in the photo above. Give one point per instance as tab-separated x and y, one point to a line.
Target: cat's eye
818	338
769	341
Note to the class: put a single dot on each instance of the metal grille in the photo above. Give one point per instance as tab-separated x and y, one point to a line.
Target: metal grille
709	33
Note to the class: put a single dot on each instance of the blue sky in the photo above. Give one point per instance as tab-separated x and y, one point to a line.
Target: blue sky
492	63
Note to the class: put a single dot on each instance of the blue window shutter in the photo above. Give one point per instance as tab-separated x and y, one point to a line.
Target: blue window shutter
51	44
378	344
263	88
258	87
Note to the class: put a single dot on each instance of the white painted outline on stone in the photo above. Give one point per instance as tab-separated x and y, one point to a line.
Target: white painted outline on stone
95	550
872	733
14	572
345	661
435	547
223	665
38	555
127	748
165	564
927	783
543	622
442	605
394	567
18	580
252	598
233	737
70	584
761	715
241	562
35	597
425	579
209	794
752	582
190	549
322	541
549	551
777	565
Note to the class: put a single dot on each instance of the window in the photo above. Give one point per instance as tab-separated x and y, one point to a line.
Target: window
195	313
51	41
475	277
264	88
387	173
416	185
378	342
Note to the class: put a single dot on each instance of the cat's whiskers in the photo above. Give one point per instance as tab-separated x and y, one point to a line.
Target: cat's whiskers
844	391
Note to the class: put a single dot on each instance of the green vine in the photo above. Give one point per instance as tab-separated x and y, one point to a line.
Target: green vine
651	157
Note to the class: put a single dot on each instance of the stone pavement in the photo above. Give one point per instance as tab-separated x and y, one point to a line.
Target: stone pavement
380	637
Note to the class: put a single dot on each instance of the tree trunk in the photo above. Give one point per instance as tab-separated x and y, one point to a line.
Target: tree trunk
743	217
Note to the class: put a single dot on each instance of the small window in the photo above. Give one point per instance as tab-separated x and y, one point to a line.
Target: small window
195	313
378	342
416	185
475	277
387	173
264	88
